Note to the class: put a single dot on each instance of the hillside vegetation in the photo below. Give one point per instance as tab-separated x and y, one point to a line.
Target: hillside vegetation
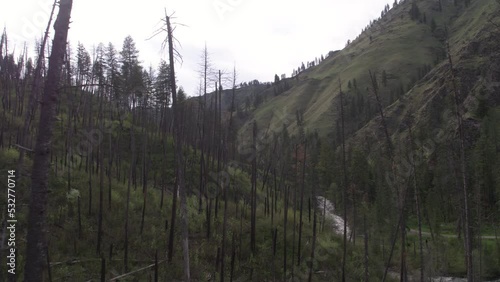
401	51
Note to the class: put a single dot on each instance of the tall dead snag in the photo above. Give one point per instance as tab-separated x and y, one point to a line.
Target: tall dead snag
294	207
178	153
467	231
400	191
285	221
220	142
37	228
205	141
344	191
225	186
417	206
302	201
144	165
224	234
365	240
231	136
100	161
254	188
130	180
315	217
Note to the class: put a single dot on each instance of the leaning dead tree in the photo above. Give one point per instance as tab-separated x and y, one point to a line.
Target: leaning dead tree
35	90
37	227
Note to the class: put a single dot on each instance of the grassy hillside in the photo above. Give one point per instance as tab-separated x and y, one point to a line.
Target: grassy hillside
404	48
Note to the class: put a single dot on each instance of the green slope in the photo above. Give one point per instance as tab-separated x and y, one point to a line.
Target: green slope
400	46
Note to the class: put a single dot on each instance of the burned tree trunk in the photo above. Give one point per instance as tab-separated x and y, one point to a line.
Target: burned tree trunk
178	155
400	190
467	231
254	189
37	226
344	191
302	202
285	220
417	206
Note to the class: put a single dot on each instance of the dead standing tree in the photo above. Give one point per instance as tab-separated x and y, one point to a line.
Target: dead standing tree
400	190
37	227
179	157
344	190
467	232
417	206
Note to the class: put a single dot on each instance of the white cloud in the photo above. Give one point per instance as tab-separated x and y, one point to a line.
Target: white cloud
261	37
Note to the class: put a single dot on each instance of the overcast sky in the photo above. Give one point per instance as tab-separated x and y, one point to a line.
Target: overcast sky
261	37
